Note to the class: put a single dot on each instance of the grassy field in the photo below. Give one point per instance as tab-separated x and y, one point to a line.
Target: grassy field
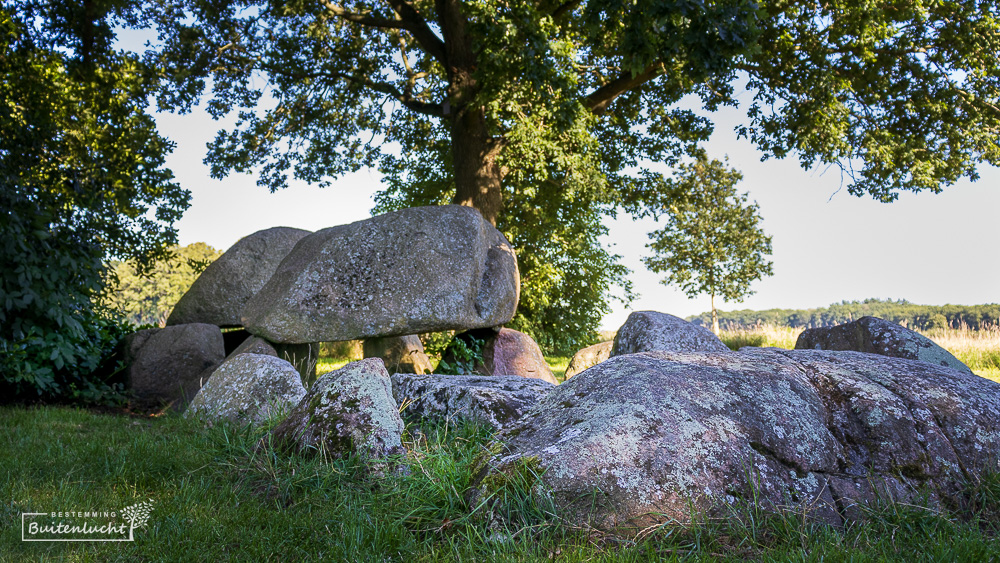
980	350
216	497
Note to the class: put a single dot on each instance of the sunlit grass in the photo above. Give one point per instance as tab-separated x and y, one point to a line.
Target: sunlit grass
763	336
326	365
558	364
978	349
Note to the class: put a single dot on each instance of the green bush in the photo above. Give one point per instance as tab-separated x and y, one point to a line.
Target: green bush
462	355
435	343
55	345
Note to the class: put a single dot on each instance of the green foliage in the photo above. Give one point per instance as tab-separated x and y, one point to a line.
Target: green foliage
545	116
81	179
567	276
344	349
712	242
463	354
737	340
54	342
976	317
902	97
149	297
435	343
77	140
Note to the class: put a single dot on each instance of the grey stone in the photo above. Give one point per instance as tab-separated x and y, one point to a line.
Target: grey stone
496	401
167	366
641	439
417	270
646	331
400	354
223	289
302	356
878	336
588	357
346	412
248	388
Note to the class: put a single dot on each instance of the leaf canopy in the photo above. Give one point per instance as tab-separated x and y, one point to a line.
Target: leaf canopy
511	106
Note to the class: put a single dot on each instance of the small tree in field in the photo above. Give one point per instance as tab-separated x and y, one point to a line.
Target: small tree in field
712	242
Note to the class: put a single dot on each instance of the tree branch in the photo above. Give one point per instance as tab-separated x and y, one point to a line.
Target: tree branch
408	101
426	108
599	100
364	18
417	25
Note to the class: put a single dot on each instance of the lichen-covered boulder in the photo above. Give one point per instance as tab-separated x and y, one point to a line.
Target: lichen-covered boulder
503	352
400	354
248	389
167	366
878	336
647	331
303	357
417	270
497	401
588	357
642	439
223	289
346	412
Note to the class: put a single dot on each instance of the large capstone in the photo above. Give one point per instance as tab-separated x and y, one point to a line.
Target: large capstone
400	354
418	270
496	401
346	412
646	331
223	289
249	389
588	357
878	336
644	439
167	366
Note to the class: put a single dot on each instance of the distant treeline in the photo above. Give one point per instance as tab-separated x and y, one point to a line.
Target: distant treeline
903	312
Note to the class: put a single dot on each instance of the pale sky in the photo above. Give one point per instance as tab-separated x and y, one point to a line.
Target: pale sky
828	245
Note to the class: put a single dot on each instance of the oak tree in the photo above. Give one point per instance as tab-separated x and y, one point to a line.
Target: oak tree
511	106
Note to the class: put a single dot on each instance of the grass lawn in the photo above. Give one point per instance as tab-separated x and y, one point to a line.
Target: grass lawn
217	498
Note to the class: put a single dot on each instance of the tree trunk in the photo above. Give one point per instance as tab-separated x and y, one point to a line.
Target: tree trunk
474	152
715	317
477	175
